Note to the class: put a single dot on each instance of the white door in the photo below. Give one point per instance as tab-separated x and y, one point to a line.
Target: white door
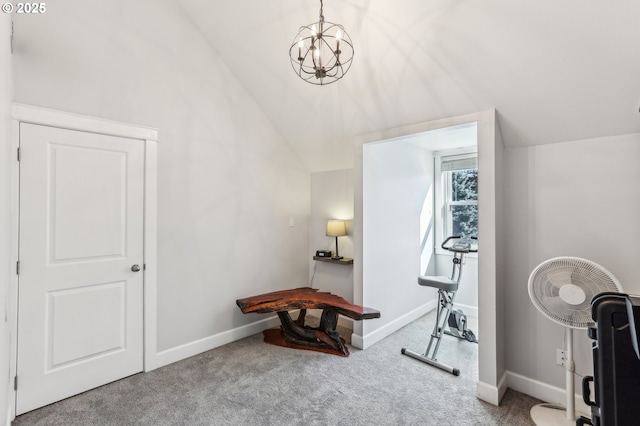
80	295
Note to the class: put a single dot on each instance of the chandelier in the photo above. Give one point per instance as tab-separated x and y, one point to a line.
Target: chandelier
322	52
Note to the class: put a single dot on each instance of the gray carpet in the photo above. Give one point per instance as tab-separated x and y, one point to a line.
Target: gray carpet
251	383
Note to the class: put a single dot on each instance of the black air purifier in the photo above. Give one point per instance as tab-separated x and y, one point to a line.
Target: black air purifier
616	362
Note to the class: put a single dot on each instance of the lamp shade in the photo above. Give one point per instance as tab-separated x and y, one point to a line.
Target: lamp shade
336	228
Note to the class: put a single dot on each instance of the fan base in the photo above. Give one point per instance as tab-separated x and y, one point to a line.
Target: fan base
550	414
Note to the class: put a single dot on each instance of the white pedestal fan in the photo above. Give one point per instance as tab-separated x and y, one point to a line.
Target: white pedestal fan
562	288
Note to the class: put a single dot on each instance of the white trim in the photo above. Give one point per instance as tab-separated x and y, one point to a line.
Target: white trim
150	254
42	116
492	394
491	356
345	322
399	132
439	191
502	386
178	353
545	392
470	311
363	342
199	346
13	290
66	120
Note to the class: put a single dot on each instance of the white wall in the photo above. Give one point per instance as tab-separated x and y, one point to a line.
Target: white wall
6	161
228	183
391	197
569	199
331	198
397	186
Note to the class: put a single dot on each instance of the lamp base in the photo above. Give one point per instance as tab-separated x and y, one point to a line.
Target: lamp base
549	414
337	257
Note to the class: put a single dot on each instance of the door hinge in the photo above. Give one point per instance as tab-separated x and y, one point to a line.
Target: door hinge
18	267
15	383
18	154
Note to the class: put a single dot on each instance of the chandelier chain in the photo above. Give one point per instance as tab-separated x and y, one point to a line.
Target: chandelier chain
321	15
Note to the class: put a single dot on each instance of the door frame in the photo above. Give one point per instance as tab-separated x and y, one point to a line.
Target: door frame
22	113
492	378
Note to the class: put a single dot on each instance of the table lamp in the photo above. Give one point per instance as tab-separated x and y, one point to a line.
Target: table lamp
336	228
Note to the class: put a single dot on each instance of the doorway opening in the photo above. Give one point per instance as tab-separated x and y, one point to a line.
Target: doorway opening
409	210
398	296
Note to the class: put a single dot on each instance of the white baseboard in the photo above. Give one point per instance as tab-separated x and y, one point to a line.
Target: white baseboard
470	311
490	393
363	342
345	322
196	347
357	341
545	392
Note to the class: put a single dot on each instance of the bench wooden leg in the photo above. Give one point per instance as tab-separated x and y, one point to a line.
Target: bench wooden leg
325	337
327	329
301	315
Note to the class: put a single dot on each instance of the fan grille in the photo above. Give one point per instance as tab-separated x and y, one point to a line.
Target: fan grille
562	288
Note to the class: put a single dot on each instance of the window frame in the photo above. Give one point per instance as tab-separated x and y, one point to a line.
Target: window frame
443	221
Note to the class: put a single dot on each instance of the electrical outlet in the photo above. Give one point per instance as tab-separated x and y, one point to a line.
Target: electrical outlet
561	357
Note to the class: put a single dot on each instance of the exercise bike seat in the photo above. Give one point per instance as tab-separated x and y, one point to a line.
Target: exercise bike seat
441	283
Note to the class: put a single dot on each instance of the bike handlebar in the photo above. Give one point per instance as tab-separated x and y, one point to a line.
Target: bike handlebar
459	247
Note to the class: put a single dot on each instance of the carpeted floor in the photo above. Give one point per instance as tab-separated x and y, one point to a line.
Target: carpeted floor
251	383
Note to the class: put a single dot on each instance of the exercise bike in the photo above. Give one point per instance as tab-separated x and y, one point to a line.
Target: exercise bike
446	315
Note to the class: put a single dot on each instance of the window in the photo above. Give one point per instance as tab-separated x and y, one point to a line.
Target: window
458	198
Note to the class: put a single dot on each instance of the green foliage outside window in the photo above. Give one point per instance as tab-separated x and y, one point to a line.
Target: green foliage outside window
464	189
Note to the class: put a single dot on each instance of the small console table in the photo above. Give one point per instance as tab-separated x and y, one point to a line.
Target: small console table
295	334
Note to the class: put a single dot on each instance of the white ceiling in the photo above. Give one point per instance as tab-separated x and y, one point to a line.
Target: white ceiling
555	70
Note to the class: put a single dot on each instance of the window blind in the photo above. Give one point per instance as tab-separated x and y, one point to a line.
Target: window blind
459	162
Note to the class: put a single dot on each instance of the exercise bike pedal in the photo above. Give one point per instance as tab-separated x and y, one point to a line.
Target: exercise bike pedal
470	337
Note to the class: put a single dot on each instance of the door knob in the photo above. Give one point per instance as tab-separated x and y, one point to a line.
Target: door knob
135	268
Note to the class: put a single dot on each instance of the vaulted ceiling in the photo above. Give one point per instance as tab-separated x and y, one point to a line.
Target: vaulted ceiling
555	70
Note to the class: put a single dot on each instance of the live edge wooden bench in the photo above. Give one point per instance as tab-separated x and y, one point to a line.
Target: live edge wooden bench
295	334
